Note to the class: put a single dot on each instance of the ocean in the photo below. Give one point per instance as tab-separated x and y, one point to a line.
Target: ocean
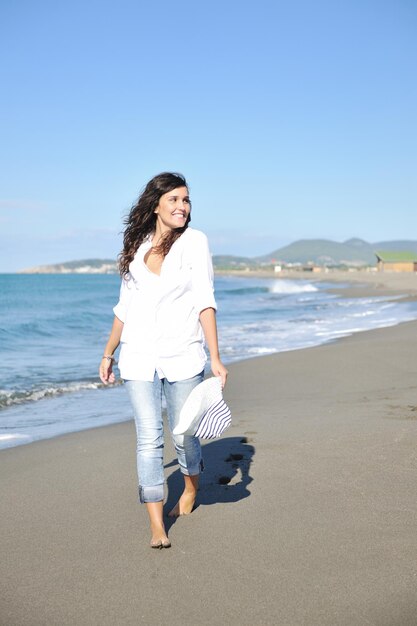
53	329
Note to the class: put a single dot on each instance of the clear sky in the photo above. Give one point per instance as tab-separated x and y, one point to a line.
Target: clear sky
290	119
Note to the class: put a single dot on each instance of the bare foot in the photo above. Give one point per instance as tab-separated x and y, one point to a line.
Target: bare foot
184	505
159	537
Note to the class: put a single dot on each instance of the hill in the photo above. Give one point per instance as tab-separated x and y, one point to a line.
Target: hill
324	252
353	252
228	261
396	246
86	266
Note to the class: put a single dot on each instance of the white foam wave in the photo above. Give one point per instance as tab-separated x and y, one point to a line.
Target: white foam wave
291	286
4	437
261	350
9	441
11	397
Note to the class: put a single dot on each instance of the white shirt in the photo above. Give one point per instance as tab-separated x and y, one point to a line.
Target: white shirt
162	330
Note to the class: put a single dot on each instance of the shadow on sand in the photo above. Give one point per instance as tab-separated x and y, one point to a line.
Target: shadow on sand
226	474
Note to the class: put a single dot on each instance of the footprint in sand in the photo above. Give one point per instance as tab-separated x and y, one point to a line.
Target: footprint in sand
403	412
248	439
234	457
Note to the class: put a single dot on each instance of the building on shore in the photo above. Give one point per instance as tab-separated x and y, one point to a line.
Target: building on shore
396	261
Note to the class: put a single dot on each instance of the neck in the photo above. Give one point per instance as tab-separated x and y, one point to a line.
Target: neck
160	230
159	235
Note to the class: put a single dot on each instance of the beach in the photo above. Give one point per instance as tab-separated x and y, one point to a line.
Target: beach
306	513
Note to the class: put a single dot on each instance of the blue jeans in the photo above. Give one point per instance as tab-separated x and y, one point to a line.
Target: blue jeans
146	399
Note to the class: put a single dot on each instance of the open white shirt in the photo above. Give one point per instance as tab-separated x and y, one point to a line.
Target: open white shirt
162	330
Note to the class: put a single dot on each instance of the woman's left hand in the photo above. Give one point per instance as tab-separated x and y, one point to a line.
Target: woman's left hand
219	369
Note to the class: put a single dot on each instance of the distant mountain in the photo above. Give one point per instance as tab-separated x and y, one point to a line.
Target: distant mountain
397	246
228	261
323	252
86	266
353	252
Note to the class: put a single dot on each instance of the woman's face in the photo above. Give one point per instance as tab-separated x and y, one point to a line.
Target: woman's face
173	209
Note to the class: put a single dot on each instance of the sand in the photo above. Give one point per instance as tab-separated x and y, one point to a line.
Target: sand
317	525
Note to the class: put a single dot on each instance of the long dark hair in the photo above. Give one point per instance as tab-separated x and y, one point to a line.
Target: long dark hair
141	220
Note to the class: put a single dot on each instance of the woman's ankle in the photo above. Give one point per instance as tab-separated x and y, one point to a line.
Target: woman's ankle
191	483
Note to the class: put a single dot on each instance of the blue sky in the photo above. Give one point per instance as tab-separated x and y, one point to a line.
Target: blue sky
289	119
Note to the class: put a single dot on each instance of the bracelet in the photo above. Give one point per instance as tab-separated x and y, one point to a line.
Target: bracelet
109	357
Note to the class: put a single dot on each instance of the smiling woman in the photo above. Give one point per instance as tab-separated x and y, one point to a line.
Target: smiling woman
143	218
173	210
165	314
172	214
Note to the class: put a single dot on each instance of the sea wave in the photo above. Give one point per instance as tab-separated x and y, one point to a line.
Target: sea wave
241	291
279	286
291	286
10	397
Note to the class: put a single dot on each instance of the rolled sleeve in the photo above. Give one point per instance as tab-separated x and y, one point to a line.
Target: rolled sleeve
202	274
126	290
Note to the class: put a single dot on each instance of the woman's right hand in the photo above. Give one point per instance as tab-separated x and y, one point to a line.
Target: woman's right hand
106	366
106	371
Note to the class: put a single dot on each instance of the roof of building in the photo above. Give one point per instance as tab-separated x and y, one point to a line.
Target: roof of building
396	257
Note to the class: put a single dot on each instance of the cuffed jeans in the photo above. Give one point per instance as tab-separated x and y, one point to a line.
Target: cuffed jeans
146	399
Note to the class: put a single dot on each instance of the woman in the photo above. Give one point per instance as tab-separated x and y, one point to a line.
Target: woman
165	314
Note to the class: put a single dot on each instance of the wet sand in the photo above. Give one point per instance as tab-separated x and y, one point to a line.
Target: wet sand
306	515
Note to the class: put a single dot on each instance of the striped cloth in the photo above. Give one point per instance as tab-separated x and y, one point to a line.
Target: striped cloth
215	421
204	414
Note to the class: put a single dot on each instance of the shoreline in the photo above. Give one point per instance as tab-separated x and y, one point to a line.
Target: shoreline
359	289
246	361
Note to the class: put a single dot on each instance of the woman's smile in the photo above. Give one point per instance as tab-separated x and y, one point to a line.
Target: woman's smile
173	209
